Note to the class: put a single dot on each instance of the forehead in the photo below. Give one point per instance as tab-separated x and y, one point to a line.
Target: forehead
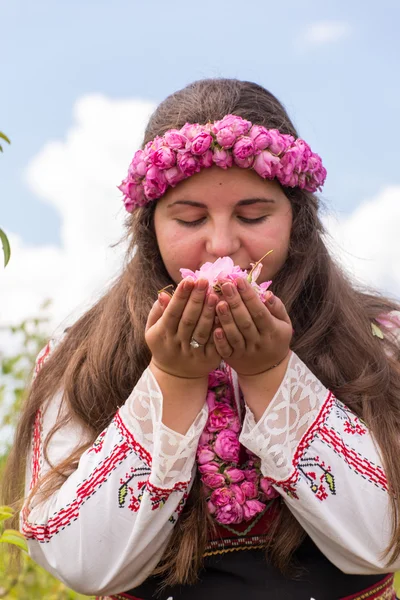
228	186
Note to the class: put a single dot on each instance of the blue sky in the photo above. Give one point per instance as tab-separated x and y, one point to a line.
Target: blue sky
342	93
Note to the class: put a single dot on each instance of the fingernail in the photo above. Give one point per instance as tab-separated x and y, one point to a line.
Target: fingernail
202	284
228	289
161	299
223	309
241	284
219	334
271	298
188	283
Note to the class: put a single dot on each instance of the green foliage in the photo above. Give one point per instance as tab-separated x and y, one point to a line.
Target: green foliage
3	237
31	582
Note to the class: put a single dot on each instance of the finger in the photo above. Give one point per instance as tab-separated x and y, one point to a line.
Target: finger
176	306
192	310
240	313
205	323
155	313
221	343
262	318
233	335
164	299
277	308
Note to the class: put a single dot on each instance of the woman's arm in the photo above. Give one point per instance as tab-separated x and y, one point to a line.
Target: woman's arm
324	462
105	529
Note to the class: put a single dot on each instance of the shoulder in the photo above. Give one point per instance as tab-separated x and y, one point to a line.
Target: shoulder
48	350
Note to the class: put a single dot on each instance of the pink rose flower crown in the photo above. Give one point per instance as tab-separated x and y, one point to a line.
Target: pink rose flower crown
179	154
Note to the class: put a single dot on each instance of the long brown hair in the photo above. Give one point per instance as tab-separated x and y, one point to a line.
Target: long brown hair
104	352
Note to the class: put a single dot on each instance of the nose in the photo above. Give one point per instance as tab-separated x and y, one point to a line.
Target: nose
222	241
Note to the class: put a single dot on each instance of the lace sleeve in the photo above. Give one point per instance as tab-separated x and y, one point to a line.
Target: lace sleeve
175	452
293	409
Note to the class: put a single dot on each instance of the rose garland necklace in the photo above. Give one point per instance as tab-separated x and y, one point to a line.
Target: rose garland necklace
235	493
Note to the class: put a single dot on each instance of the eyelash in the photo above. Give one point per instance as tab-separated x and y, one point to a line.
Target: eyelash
198	222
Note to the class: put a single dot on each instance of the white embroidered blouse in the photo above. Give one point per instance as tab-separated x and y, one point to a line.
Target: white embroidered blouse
106	528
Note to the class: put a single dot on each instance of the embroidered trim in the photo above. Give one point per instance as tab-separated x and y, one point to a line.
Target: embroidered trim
126	434
382	590
358	463
36	448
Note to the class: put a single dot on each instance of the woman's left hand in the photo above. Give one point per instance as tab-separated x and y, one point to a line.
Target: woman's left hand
255	336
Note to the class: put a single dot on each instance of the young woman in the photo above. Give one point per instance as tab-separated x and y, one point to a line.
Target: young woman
224	439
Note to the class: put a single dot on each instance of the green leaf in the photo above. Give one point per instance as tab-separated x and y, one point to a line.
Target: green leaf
6	247
376	331
4	137
10	536
330	481
5	513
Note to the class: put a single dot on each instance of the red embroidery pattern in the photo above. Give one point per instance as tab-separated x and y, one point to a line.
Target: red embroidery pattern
383	590
98	443
159	496
36	448
136	447
42	357
361	465
125	489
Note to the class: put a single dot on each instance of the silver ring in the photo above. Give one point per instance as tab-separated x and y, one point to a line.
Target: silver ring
195	344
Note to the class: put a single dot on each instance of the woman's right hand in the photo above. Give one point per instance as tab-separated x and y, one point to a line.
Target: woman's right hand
190	313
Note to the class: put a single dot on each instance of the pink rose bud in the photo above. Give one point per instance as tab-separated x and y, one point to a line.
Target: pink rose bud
217	378
211	467
226	138
230	513
174	175
163	158
204	455
251	475
238	493
213	480
174	139
220	418
227	445
138	167
278	142
260	136
267	488
201	143
155	183
206	159
221	496
251	508
243	148
222	158
249	489
191	130
266	165
188	163
235	475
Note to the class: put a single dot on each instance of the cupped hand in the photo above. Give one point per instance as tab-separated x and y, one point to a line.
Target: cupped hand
173	322
253	336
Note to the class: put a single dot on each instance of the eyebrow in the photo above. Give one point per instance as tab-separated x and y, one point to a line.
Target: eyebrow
245	202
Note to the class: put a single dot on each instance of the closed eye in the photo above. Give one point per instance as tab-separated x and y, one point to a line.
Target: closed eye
200	221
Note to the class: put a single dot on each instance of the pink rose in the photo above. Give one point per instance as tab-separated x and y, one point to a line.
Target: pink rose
174	139
206	159
213	480
227	445
251	475
249	489
205	438
266	486
191	130
217	378
188	163
222	158
138	167
260	136
243	148
204	455
155	183
235	475
229	513
220	417
238	493
201	142
163	158
251	508
278	141
237	124
174	175
226	138
211	400
221	496
211	467
266	165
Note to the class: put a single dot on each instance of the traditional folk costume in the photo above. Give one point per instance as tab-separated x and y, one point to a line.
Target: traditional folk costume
104	531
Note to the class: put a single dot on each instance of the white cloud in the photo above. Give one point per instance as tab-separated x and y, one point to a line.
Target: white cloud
78	176
367	241
326	32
